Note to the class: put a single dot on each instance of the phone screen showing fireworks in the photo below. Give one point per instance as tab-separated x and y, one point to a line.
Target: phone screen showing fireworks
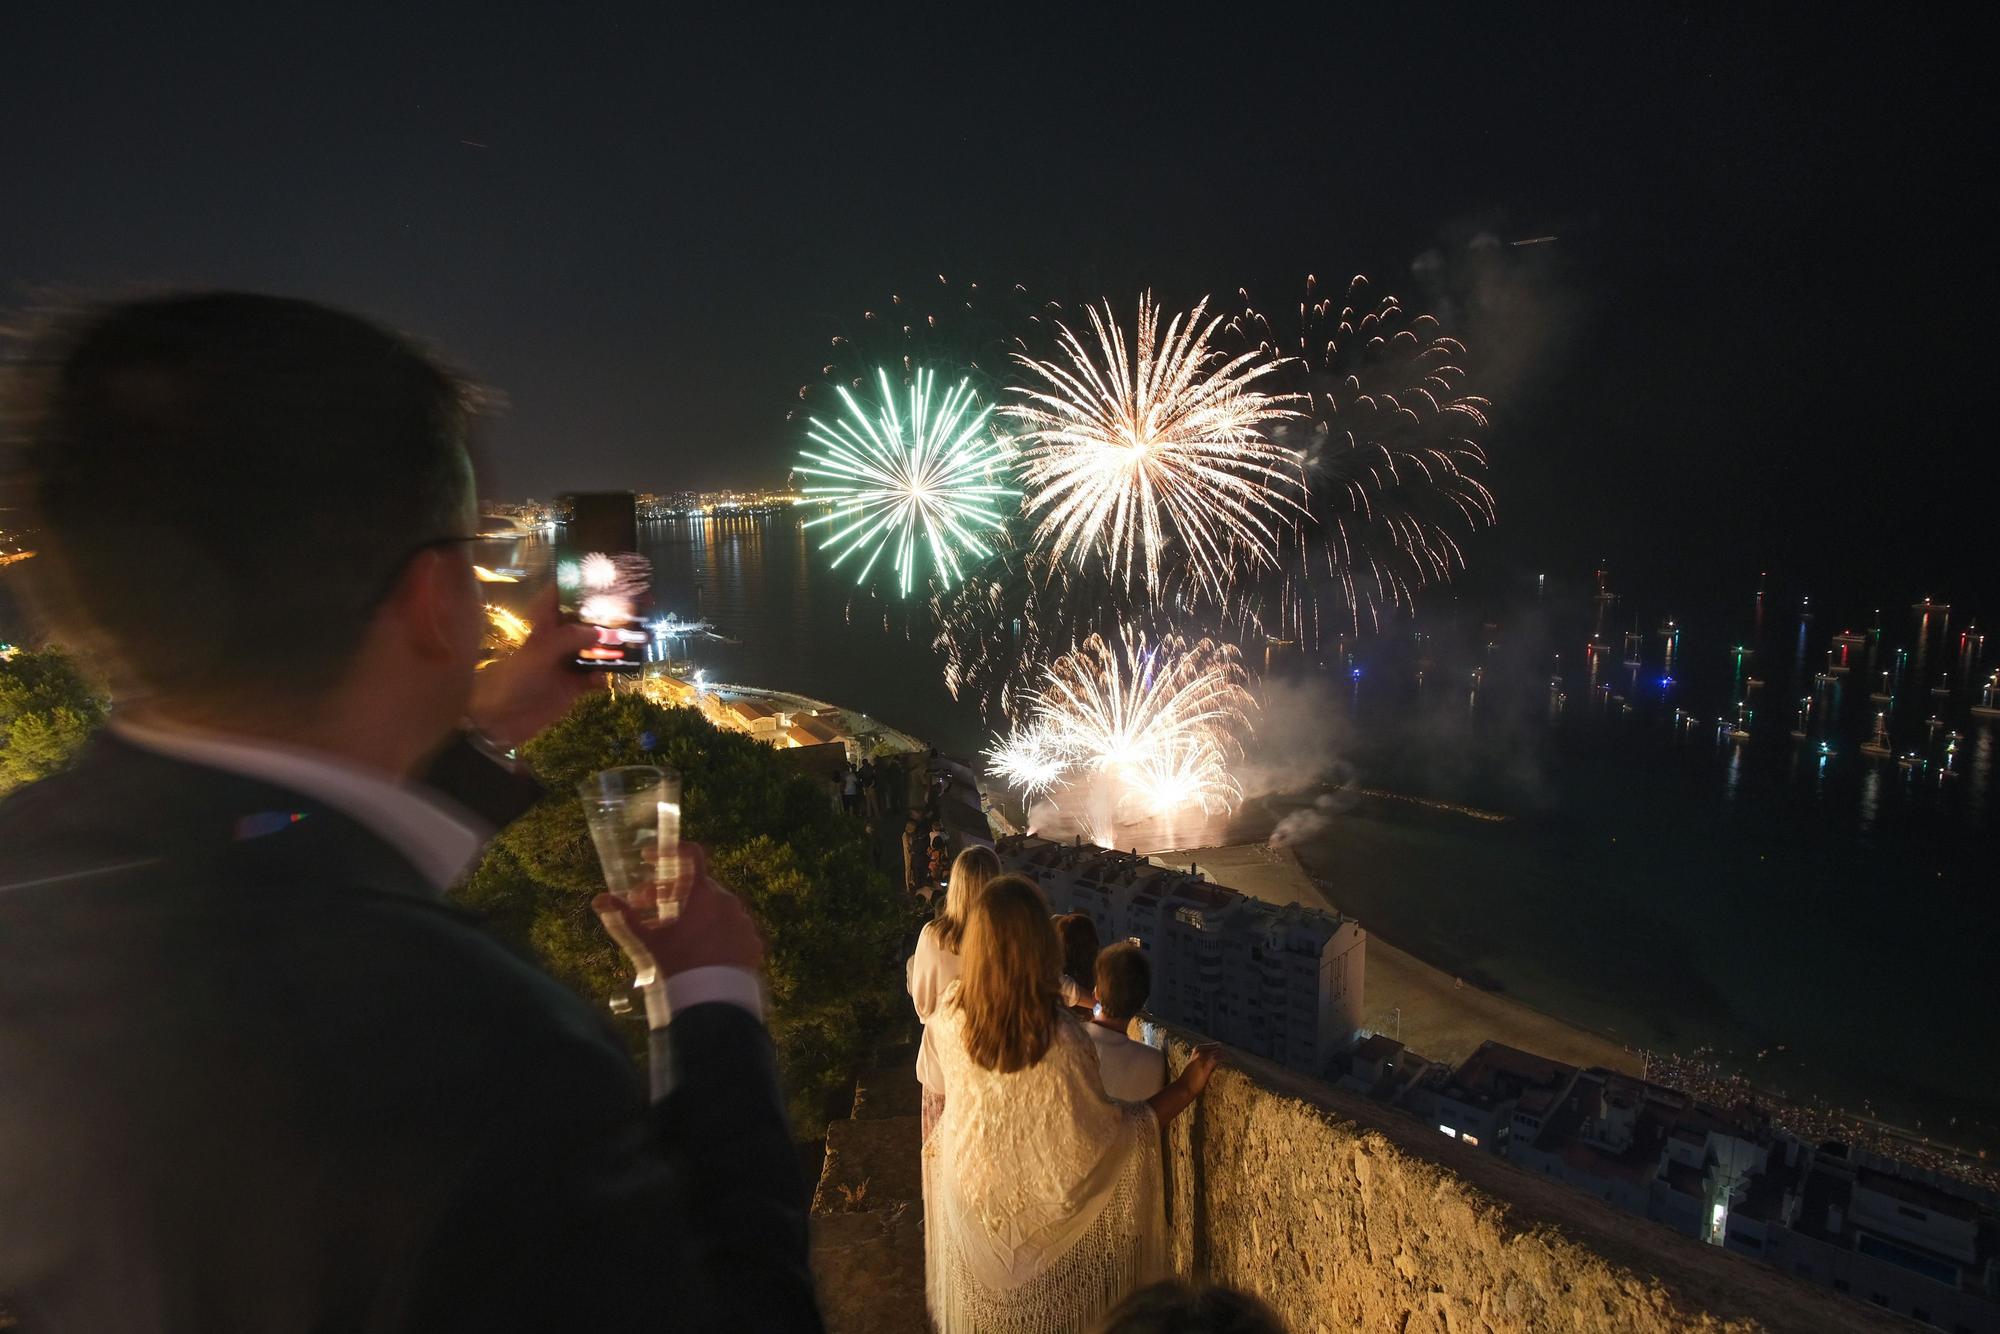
602	581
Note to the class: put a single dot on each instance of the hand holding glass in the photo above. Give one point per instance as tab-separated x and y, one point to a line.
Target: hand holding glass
634	816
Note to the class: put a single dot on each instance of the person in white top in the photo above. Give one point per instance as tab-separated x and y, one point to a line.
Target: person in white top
1132	1070
1043	1198
934	966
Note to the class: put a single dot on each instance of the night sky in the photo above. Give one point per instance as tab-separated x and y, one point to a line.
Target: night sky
1760	338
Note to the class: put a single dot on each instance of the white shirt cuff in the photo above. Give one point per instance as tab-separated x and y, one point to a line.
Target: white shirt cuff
717	982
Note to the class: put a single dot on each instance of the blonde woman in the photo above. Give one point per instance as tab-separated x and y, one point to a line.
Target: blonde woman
1042	1195
935	965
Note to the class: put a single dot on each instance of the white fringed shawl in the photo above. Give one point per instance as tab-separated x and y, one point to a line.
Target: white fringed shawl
1042	1197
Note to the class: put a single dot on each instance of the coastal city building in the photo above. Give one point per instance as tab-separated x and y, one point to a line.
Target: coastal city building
779	720
1382	1068
1284	983
1879	1231
1647	1149
1493	1091
1915	1242
533	513
1248	973
675	504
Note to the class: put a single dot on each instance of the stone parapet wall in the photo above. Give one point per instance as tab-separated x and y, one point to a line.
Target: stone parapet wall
867	1213
1346	1215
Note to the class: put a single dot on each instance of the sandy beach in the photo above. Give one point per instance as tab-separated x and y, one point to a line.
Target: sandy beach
1429	1010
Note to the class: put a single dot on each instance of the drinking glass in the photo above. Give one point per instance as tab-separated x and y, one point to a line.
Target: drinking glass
634	816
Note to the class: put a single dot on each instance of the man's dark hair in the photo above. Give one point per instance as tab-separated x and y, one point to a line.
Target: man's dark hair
1124	979
229	484
1173	1307
1078	935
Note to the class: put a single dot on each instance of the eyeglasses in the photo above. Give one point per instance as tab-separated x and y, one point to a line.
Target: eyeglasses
403	561
422	547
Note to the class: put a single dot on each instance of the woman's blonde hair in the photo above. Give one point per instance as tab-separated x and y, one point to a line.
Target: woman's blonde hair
970	874
1008	989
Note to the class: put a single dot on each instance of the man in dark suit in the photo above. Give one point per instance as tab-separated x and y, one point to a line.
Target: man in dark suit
255	1073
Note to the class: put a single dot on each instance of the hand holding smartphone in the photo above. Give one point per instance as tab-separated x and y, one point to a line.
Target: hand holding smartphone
602	581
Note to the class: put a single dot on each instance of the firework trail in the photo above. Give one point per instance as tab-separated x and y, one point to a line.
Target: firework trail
928	478
1014	613
976	329
1130	447
1391	457
995	625
1158	722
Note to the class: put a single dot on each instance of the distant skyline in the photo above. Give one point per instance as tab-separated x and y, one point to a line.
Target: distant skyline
1753	341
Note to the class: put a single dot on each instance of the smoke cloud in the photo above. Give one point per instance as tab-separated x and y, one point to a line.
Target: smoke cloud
1308	822
1503	298
1300	727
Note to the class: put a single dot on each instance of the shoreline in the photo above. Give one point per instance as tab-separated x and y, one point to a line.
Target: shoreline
1438	1016
1431	1011
1617	949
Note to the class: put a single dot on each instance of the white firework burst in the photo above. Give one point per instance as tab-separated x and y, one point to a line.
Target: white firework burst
1129	449
1159	723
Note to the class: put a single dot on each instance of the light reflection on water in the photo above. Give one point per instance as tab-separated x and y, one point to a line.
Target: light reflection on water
1980	773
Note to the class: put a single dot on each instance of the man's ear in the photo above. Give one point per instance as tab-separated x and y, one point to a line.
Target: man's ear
421	605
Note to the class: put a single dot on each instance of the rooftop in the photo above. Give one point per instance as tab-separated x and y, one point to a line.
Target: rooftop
1567	1131
1377	1047
749	708
821	730
1765	1198
1498	1073
1149	882
1687	1180
1917	1193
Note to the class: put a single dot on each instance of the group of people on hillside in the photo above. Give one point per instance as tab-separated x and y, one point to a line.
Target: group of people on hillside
258	1072
861	789
1041	1115
929	850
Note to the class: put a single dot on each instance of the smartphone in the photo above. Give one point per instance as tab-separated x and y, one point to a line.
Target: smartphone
601	579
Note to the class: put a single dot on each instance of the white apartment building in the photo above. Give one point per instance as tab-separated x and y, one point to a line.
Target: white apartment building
1280	982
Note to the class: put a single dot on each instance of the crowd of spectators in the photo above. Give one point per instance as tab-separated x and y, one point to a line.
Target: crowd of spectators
1816	1123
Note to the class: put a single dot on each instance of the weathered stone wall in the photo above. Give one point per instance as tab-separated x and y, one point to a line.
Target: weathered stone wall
867	1215
1346	1215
